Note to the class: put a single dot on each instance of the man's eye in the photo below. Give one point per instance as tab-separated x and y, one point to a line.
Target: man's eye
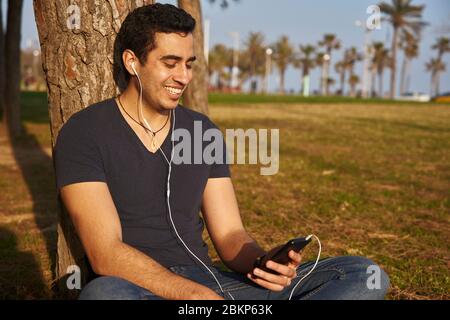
189	66
170	66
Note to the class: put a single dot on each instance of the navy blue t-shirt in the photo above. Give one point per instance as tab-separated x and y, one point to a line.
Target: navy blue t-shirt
97	144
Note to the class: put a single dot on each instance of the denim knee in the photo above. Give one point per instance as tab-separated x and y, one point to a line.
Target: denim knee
111	288
374	280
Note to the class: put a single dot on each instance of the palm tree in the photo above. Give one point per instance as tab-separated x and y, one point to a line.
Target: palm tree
330	83
219	59
283	57
319	61
435	66
380	61
306	63
330	43
353	81
340	68
373	75
244	67
351	56
256	50
403	16
410	47
442	45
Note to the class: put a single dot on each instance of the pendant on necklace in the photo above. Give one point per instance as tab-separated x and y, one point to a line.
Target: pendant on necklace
153	144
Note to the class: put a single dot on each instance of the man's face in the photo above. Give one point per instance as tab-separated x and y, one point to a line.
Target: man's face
168	70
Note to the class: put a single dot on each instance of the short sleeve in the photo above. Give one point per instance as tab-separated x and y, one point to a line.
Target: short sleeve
220	169
77	156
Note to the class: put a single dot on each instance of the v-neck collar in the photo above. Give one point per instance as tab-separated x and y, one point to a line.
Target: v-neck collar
136	137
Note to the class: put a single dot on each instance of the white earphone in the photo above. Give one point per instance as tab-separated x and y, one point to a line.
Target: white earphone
132	67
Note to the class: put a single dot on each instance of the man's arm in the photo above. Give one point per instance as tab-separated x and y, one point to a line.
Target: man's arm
97	222
233	244
223	221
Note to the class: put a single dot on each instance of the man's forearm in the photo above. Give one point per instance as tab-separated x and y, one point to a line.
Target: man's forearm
130	264
240	251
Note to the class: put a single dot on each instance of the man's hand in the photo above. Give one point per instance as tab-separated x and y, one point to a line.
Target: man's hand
277	282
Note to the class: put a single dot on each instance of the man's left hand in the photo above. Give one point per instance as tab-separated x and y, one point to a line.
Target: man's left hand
282	276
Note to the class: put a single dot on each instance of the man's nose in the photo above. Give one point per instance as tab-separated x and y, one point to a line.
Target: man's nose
182	75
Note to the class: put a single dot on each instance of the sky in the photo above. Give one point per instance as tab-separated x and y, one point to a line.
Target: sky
305	22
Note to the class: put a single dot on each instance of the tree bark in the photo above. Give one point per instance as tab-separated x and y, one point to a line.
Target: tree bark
196	94
12	68
77	41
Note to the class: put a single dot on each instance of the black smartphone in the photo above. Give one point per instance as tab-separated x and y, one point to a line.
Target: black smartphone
281	255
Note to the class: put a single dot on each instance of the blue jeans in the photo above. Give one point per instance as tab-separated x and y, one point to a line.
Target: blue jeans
336	278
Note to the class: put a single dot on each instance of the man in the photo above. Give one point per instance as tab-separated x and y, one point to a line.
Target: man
112	166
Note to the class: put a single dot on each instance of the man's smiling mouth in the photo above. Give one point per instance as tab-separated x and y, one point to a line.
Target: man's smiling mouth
173	91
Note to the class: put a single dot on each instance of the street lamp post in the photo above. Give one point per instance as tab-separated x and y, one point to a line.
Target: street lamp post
326	59
269	52
366	79
235	70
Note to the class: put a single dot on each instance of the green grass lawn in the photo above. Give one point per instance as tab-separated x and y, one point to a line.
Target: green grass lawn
222	98
368	179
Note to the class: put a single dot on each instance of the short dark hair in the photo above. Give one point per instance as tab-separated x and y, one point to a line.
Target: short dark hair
137	33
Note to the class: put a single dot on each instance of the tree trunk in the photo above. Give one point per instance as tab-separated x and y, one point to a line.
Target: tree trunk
373	84
408	76
302	82
305	77
433	84
322	76
77	44
403	76
325	78
2	63
394	63
352	90
196	94
438	81
380	84
282	91
12	68
342	76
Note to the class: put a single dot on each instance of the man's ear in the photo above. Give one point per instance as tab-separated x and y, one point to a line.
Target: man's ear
129	61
